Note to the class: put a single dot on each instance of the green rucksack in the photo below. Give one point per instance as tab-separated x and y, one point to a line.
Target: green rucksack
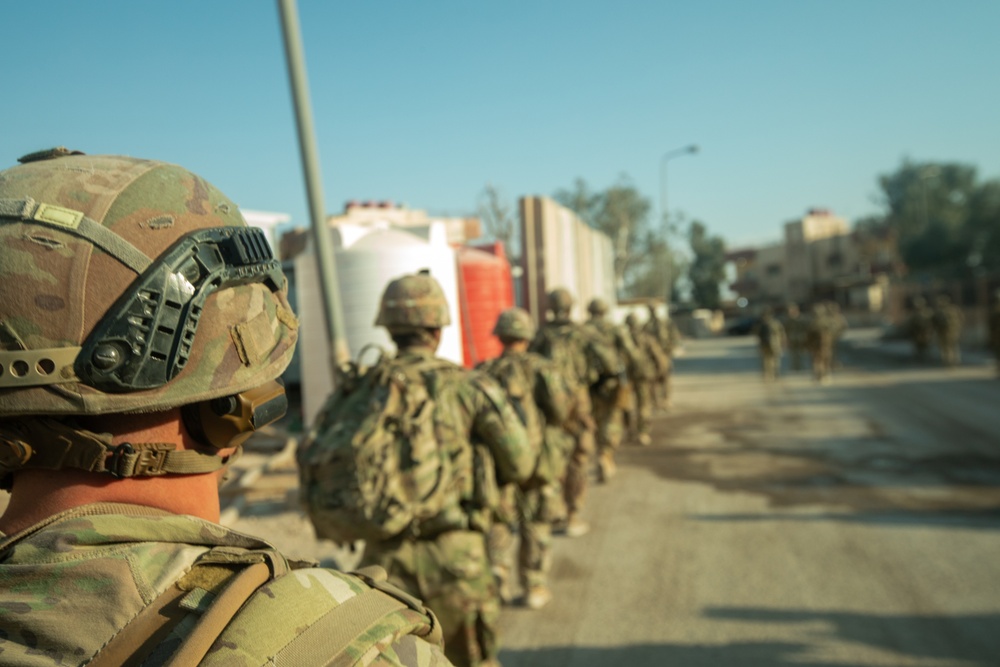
372	466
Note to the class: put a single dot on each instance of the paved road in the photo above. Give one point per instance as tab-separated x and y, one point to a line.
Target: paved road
789	524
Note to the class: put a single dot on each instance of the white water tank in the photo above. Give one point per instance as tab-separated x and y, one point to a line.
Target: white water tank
368	257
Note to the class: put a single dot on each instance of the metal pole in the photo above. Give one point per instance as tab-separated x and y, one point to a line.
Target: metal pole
295	58
664	214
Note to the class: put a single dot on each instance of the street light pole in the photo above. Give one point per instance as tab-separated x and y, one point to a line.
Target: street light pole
664	213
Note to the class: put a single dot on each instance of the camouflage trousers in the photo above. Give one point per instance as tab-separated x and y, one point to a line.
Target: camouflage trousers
770	362
534	528
578	471
950	353
451	574
610	420
644	392
822	362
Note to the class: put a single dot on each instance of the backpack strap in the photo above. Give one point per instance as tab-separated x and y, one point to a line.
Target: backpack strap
352	620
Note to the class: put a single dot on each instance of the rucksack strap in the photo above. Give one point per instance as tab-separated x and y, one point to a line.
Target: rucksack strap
351	620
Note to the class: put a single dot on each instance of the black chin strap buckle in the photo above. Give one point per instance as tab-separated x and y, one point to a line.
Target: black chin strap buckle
120	459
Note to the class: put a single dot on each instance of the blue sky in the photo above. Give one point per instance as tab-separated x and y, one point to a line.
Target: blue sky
794	103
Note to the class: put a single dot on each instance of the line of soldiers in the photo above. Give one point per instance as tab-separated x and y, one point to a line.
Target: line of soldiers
816	335
553	401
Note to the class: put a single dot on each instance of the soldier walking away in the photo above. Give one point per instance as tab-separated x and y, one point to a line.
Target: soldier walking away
415	447
565	343
771	342
611	392
994	329
920	327
649	367
819	341
543	401
795	333
947	321
144	327
839	326
669	336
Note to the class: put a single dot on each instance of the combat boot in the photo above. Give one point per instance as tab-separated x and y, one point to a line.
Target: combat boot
576	526
606	467
537	597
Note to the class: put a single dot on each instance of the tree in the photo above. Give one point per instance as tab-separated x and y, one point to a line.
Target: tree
497	215
708	265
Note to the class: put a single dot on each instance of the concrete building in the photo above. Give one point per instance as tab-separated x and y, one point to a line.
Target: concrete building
819	258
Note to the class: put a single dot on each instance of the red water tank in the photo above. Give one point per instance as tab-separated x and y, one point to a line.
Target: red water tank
485	289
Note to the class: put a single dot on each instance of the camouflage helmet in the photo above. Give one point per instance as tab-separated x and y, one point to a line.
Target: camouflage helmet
131	286
516	324
413	302
560	300
597	306
631	320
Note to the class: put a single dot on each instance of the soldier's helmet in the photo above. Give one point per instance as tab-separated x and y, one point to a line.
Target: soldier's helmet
597	306
131	285
413	302
560	300
631	320
515	324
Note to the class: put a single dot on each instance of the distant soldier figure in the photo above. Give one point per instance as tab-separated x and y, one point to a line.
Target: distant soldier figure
819	341
994	327
771	342
920	327
796	328
565	343
419	422
947	321
543	401
839	326
669	336
611	393
650	365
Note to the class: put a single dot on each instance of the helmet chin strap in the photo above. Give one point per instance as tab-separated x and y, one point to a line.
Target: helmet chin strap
69	446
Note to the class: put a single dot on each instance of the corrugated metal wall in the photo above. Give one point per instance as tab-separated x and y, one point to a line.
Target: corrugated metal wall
560	250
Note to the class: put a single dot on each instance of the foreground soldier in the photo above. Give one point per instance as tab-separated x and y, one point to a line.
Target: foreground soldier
611	394
543	402
820	338
565	343
143	329
443	558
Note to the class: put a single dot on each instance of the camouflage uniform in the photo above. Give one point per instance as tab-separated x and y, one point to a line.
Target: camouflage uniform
134	286
611	395
819	340
446	562
947	321
795	333
651	363
920	328
565	343
994	329
543	401
669	338
114	561
771	336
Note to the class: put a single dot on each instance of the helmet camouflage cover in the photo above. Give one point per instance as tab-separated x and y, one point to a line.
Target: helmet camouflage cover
130	285
516	324
560	300
597	306
413	302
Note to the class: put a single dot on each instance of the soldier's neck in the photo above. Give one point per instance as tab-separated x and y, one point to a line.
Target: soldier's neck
39	494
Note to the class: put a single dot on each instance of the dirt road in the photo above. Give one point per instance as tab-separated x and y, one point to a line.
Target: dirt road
789	524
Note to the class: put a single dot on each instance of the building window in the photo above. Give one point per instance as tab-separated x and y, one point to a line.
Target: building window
773	270
835	260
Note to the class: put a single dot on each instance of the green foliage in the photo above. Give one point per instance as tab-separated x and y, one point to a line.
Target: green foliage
945	219
708	265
